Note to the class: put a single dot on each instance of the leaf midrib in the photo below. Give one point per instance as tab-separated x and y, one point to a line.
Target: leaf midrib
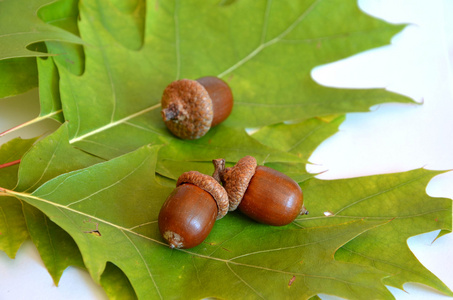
113	124
263	44
126	230
241	62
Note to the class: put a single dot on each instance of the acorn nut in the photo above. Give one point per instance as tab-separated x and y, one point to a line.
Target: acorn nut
263	194
190	211
191	107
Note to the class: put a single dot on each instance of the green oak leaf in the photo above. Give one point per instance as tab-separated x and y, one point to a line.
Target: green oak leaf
400	197
57	249
116	285
49	92
297	171
50	157
21	220
300	139
64	14
16	36
221	142
113	107
13	229
111	101
55	246
10	155
319	195
391	202
17	75
113	219
20	74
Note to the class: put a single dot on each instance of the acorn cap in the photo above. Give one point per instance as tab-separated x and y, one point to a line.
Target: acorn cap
187	109
236	179
210	185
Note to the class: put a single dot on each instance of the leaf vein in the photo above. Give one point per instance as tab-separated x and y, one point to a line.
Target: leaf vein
300	141
60	206
262	45
379	193
374	260
244	282
110	185
61	183
47	166
113	124
144	262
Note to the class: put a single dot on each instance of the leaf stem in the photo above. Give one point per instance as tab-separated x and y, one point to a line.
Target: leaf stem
32	121
219	169
8	164
5	192
113	124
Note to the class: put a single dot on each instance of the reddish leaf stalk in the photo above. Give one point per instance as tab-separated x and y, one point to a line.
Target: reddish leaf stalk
2	191
14	128
8	164
32	121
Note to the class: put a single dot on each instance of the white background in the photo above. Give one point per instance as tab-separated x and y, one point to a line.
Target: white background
391	138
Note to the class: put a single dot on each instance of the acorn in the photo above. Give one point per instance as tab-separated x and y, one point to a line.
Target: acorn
191	107
262	193
190	211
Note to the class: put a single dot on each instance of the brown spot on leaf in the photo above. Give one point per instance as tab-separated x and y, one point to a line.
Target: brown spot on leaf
291	280
95	231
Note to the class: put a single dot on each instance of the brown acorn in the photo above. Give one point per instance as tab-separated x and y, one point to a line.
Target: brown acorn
190	211
263	194
191	107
